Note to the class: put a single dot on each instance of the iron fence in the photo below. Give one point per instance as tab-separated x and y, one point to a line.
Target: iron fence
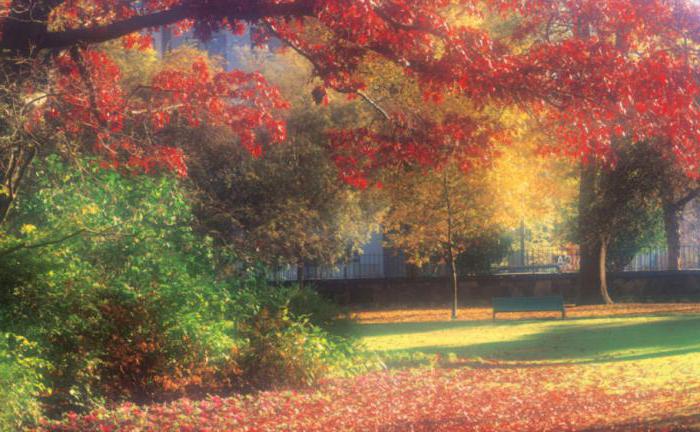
393	265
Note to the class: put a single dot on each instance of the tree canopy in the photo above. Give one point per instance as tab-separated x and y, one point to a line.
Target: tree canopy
584	67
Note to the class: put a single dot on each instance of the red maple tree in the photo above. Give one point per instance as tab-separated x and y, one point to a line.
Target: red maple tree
595	71
56	79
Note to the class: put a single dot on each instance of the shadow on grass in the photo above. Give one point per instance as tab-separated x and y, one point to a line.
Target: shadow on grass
584	342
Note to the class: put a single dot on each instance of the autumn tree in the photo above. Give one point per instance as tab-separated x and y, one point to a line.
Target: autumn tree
676	190
584	68
287	207
624	204
58	85
438	214
599	60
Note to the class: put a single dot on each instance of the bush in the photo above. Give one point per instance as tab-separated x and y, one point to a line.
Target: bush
122	296
306	302
301	302
104	271
20	382
287	337
483	251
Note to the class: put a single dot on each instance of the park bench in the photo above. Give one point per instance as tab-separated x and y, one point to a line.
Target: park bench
529	304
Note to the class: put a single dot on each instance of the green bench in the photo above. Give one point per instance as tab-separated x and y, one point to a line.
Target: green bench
529	304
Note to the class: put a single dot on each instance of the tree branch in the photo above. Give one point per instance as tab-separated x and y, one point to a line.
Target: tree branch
318	67
239	10
687	198
41	244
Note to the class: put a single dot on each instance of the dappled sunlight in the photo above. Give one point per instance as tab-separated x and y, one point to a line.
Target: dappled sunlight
614	356
568	341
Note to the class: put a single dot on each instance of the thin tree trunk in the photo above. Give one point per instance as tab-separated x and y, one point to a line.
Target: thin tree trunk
450	246
602	272
672	226
5	205
455	286
18	164
300	274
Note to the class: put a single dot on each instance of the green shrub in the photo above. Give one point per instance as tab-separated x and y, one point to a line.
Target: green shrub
301	303
284	351
305	301
20	382
122	296
126	301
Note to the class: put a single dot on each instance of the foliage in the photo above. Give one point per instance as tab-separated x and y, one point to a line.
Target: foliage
647	233
287	207
122	298
281	351
582	70
21	382
483	252
290	336
432	211
625	213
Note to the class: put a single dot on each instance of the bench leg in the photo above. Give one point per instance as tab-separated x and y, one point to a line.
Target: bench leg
494	315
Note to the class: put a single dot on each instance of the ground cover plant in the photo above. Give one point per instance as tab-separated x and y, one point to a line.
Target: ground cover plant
609	371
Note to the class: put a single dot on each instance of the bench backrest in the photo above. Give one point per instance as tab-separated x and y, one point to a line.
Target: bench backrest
526	304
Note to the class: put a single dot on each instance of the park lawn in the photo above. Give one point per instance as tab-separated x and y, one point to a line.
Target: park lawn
616	371
618	351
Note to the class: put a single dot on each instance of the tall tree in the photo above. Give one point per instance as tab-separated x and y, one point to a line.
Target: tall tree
676	190
584	67
590	60
438	214
623	199
286	207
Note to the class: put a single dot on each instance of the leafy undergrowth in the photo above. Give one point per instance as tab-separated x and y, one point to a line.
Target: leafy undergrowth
485	313
494	398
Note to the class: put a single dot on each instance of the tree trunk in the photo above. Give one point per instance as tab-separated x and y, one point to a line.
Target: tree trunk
451	258
672	226
300	274
5	204
602	273
455	285
19	161
589	279
589	247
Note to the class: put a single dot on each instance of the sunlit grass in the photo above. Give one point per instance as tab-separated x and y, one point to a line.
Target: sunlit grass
621	353
552	341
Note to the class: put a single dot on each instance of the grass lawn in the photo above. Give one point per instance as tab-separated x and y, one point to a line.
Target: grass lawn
643	349
575	340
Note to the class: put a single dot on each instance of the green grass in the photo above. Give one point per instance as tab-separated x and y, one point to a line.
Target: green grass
540	341
655	357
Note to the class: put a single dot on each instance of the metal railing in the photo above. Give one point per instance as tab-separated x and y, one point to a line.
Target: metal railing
393	265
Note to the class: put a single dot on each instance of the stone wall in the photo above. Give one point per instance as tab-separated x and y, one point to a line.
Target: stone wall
478	290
